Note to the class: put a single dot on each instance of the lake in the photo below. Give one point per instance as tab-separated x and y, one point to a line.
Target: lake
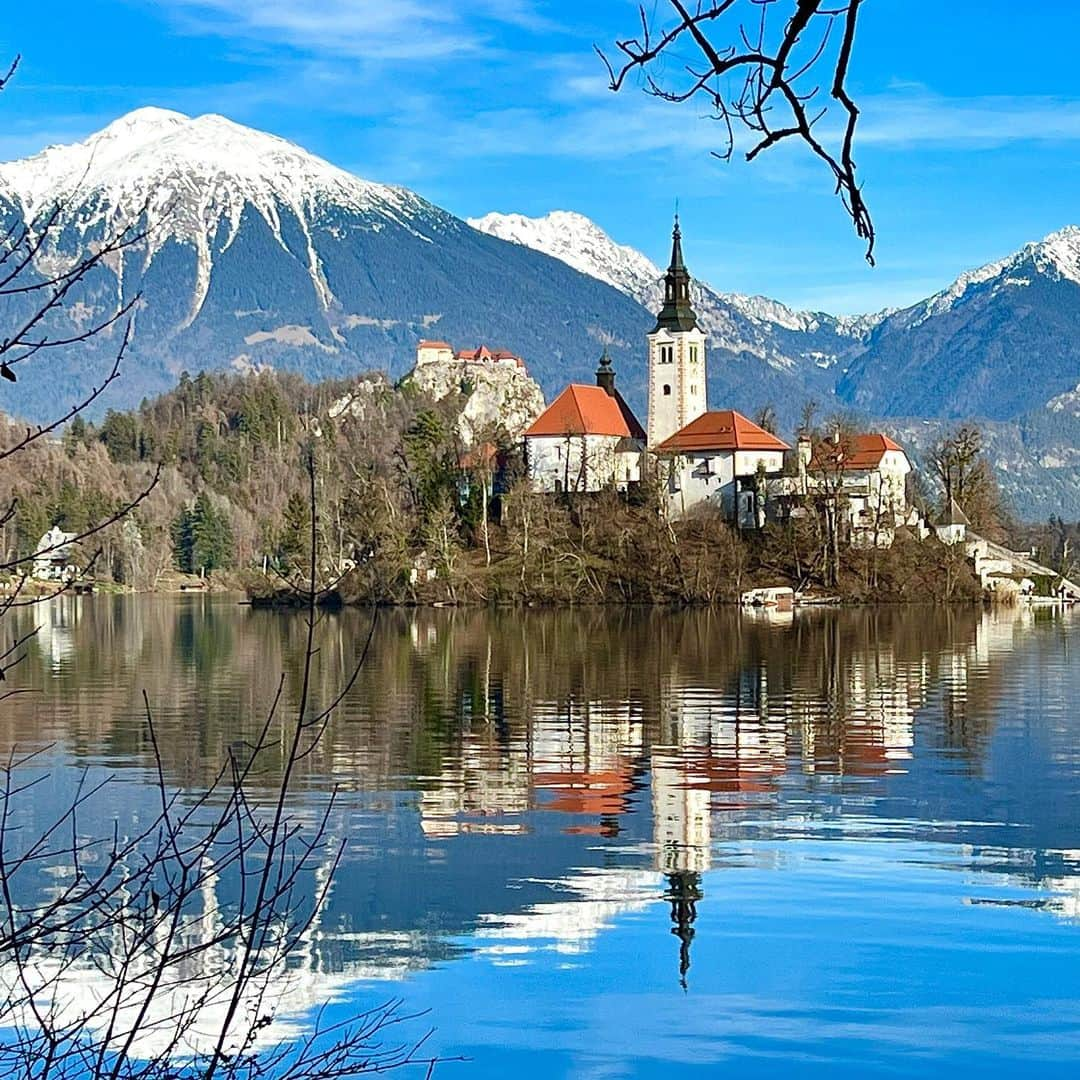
609	843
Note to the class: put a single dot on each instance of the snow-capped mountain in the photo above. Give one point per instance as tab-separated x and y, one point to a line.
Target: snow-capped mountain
579	243
999	341
752	325
257	252
194	179
1056	257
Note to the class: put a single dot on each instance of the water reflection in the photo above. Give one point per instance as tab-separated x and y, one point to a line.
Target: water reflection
519	785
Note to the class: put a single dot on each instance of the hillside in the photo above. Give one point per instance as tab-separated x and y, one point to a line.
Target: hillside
1000	341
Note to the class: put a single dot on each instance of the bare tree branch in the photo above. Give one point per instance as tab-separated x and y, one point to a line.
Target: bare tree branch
752	78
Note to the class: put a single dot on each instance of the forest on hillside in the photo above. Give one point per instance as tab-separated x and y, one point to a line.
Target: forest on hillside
405	512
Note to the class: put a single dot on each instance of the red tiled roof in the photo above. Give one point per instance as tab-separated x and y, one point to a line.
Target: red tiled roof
723	430
435	345
581	410
856	452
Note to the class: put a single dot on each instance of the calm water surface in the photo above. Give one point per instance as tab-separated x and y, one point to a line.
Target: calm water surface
609	844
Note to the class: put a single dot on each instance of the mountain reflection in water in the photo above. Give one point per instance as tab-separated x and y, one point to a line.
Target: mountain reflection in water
604	841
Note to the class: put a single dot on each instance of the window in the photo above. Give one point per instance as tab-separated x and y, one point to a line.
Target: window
693	354
693	389
667	354
667	390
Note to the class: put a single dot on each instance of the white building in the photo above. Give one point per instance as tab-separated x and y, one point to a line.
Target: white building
870	472
952	526
53	556
587	439
677	392
724	459
864	475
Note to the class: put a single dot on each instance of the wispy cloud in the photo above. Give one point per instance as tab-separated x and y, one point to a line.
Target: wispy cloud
910	115
377	31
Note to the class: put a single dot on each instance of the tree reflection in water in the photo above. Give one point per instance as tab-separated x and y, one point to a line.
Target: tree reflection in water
520	781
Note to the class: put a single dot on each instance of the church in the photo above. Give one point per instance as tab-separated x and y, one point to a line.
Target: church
588	438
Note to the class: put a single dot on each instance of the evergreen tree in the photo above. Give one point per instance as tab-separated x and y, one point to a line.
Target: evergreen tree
294	540
183	547
76	435
202	537
120	434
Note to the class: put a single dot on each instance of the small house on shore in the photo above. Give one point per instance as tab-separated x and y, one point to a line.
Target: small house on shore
53	556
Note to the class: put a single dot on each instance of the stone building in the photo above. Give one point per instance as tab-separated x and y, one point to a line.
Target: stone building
442	352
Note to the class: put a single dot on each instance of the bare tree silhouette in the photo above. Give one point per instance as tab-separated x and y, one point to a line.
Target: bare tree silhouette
760	65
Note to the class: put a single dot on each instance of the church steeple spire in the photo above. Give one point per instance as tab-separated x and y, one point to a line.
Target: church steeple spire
677	313
677	375
676	246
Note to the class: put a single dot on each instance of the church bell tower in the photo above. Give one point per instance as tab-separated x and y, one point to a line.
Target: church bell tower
676	354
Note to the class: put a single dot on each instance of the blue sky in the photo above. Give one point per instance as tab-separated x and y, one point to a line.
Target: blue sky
970	131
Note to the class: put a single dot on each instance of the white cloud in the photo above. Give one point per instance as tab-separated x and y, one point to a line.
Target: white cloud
368	30
913	116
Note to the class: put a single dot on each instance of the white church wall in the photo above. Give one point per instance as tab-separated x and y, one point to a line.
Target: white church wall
711	476
579	462
746	461
697	478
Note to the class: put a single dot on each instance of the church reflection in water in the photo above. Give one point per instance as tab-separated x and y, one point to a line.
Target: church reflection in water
514	784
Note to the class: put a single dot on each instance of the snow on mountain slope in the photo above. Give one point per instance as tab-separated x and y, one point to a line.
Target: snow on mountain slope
257	253
1001	340
582	244
756	325
579	243
1057	256
190	176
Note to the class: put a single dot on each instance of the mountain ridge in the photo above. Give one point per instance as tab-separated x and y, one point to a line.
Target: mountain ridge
261	254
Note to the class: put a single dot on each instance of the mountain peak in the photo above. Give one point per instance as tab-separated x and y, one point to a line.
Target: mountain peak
575	240
152	154
148	119
192	180
1060	252
1056	255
